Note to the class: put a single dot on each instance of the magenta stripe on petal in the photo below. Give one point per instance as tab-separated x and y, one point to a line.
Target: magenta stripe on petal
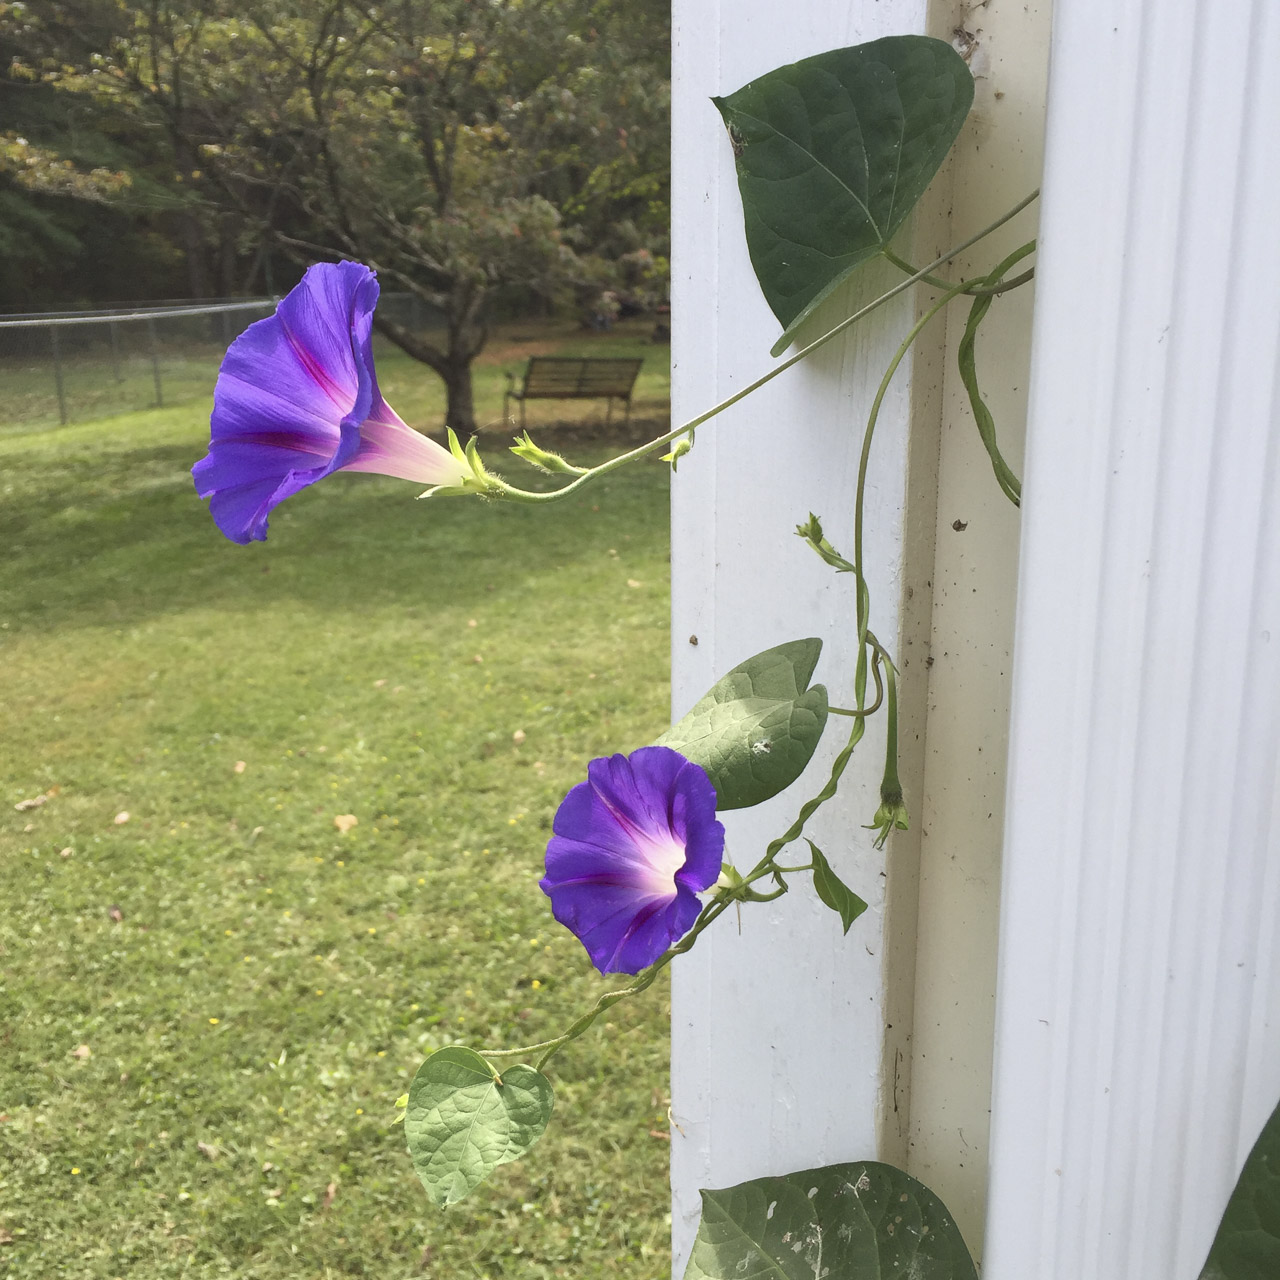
297	399
632	848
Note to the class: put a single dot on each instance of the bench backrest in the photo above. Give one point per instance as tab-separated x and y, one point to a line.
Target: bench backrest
567	377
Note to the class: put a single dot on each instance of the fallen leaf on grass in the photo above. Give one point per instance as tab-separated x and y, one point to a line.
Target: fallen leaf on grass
633	582
660	1133
240	766
345	821
82	1051
115	913
518	737
5	1237
379	684
208	1150
67	852
329	1192
121	818
25	806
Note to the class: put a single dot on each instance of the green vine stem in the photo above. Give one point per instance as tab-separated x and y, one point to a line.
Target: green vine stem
500	488
886	687
1009	484
977	289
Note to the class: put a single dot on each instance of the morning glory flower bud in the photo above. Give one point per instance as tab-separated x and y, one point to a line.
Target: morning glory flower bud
633	847
297	398
544	459
891	813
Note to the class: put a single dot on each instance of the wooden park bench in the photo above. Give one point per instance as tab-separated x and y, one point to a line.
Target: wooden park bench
571	378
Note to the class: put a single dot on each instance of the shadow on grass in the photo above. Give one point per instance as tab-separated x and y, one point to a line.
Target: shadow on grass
116	536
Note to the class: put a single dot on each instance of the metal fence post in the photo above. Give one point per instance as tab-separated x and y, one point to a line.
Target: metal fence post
115	350
57	373
155	361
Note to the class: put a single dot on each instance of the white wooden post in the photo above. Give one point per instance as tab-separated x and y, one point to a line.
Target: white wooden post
780	1055
1138	1020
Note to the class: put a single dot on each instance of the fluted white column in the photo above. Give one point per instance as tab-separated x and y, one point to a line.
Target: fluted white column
1138	1011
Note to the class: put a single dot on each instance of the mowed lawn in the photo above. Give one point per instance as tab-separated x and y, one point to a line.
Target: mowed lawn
210	995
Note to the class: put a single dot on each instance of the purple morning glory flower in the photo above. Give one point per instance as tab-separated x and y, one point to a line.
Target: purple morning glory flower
633	847
297	398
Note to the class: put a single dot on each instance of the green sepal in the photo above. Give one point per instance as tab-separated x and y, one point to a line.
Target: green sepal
455	446
479	481
464	1119
891	813
756	729
832	890
729	880
845	1220
832	153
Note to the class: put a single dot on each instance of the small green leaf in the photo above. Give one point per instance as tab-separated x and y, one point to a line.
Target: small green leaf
844	1222
832	890
464	1120
833	152
1247	1246
756	729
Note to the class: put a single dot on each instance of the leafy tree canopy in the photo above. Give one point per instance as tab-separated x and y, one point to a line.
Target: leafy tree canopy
458	146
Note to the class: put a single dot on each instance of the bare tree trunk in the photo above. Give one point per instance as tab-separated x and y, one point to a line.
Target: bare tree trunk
460	411
453	366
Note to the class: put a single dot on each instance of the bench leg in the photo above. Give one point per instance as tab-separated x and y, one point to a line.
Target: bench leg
608	410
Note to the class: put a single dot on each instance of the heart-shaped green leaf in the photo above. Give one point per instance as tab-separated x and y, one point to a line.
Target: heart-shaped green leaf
862	1221
832	890
464	1121
833	152
1247	1246
755	730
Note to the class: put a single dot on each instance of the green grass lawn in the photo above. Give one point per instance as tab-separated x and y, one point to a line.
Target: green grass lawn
209	1007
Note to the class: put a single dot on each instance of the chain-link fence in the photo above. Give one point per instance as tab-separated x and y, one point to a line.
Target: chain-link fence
74	366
